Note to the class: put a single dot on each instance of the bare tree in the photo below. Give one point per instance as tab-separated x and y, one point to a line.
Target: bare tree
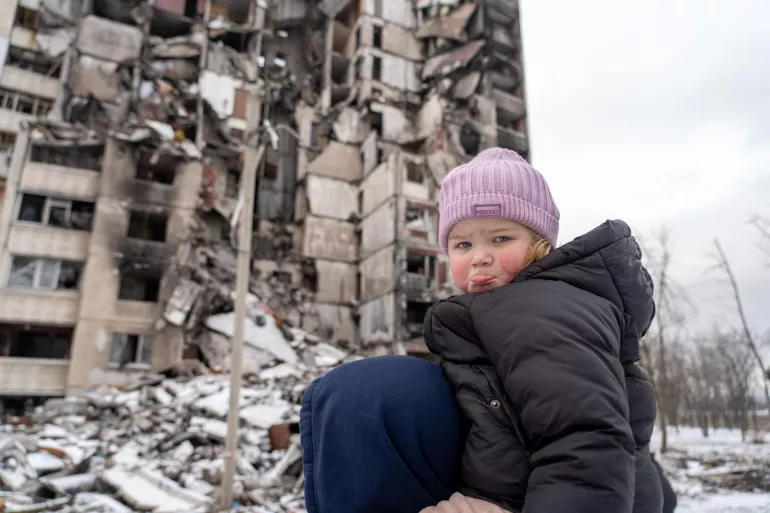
724	264
736	364
657	347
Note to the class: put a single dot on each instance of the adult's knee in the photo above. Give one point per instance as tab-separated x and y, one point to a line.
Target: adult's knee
391	418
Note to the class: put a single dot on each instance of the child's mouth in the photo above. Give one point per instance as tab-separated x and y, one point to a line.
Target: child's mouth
482	279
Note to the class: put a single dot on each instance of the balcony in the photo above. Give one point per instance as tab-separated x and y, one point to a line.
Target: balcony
39	306
503	11
510	108
10	120
24	38
33	376
512	139
33	83
60	180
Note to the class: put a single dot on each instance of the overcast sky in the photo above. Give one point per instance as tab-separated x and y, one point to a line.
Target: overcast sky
658	112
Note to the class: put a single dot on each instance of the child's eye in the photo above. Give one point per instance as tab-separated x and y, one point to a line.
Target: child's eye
502	238
464	245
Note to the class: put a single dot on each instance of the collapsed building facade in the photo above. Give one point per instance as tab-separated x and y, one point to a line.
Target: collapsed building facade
125	127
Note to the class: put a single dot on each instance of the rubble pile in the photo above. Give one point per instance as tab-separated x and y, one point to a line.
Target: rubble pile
157	443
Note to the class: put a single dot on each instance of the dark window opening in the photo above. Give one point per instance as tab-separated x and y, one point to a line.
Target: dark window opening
7	142
376	68
413	172
35	341
270	172
415	315
32	208
309	276
377	127
131	348
415	263
136	286
238	41
380	155
282	277
191	10
168	24
147	226
44	273
26	18
358	37
158	175
83	157
231	184
377	36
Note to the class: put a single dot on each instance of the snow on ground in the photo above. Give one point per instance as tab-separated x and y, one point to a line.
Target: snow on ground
718	474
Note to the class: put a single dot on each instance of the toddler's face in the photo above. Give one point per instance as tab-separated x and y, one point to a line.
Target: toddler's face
487	253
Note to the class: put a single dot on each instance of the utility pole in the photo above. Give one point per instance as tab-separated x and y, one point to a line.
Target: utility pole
253	151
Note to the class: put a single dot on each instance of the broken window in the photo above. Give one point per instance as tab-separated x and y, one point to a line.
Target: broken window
158	175
35	341
62	213
147	225
82	157
377	36
231	185
376	68
25	18
24	103
44	273
7	141
413	172
139	286
131	349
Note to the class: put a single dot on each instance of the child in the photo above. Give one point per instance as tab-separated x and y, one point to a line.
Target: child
541	353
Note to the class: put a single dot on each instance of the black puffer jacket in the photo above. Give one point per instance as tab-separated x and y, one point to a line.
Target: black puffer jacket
544	370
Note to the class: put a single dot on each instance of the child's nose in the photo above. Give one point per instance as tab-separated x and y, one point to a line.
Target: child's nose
482	258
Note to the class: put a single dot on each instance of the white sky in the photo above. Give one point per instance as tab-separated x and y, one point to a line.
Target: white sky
659	112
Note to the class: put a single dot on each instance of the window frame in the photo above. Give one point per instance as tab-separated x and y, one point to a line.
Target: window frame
39	266
137	359
53	201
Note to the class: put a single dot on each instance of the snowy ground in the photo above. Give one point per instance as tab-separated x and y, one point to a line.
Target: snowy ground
718	474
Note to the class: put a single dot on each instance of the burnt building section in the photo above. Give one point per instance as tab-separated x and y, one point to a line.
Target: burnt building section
125	130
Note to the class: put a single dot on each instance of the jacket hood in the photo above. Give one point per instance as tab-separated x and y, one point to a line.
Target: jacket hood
607	261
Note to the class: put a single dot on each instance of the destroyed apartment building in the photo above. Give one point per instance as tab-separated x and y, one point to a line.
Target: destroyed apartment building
125	126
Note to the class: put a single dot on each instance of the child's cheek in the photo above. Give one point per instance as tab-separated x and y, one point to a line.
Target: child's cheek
459	268
511	261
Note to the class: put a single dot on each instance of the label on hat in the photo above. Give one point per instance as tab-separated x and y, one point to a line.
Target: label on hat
487	210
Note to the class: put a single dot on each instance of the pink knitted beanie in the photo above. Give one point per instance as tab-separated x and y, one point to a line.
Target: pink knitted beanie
497	183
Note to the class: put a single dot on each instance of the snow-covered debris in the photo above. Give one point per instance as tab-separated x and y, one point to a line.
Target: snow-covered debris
154	442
